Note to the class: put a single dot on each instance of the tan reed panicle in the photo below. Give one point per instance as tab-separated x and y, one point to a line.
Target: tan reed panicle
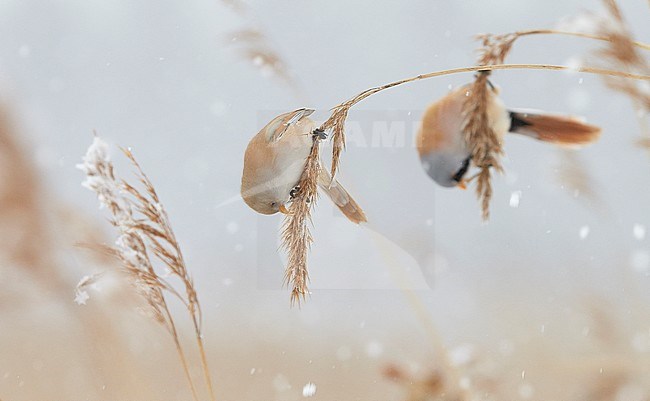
144	230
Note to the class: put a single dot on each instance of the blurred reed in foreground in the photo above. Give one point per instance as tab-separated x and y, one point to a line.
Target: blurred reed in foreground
144	229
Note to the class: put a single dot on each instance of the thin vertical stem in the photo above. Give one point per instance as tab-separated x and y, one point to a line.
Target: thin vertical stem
204	360
422	314
181	353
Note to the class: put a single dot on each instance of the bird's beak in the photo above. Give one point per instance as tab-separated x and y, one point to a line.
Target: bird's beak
284	210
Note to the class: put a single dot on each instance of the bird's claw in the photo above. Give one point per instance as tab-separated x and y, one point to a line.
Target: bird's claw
294	191
319	133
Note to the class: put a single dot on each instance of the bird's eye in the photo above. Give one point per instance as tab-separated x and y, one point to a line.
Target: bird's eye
274	204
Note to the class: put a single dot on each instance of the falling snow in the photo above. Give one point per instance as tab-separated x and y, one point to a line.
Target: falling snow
374	349
232	227
81	296
309	390
515	197
639	231
640	261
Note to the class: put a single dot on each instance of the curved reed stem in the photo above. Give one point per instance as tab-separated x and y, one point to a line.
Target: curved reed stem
423	315
179	349
336	122
638	44
204	360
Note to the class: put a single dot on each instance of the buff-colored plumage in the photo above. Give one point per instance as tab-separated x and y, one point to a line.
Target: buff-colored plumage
274	161
442	147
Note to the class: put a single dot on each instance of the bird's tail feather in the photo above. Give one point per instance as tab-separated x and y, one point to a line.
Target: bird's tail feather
558	129
341	198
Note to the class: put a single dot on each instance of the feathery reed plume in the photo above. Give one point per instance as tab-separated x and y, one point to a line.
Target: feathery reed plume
483	143
418	390
622	52
255	47
335	124
238	6
431	387
495	49
621	47
296	236
25	236
447	374
574	177
144	229
34	239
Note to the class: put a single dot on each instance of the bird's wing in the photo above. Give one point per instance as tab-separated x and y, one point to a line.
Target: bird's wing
279	127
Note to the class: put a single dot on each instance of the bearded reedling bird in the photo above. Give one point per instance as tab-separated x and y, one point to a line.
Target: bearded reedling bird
444	153
274	162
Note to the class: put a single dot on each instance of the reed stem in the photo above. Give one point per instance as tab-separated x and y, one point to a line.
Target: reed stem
204	360
638	44
179	349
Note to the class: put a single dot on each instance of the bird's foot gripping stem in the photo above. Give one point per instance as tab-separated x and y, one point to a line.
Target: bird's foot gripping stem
294	192
319	134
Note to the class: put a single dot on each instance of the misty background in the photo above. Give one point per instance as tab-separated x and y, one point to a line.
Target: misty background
168	80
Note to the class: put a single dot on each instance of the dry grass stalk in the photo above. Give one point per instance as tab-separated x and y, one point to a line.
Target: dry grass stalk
418	390
145	230
238	6
621	47
483	143
495	48
30	244
296	235
257	49
434	386
622	53
335	124
575	177
447	374
25	234
486	147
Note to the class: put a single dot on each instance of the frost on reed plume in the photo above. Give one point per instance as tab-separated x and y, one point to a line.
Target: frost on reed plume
145	239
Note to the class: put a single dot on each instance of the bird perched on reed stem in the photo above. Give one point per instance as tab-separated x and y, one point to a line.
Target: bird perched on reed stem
445	153
274	162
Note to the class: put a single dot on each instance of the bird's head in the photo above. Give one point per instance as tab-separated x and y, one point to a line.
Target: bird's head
266	205
446	169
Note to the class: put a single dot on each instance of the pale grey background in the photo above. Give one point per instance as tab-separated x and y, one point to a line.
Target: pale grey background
157	76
